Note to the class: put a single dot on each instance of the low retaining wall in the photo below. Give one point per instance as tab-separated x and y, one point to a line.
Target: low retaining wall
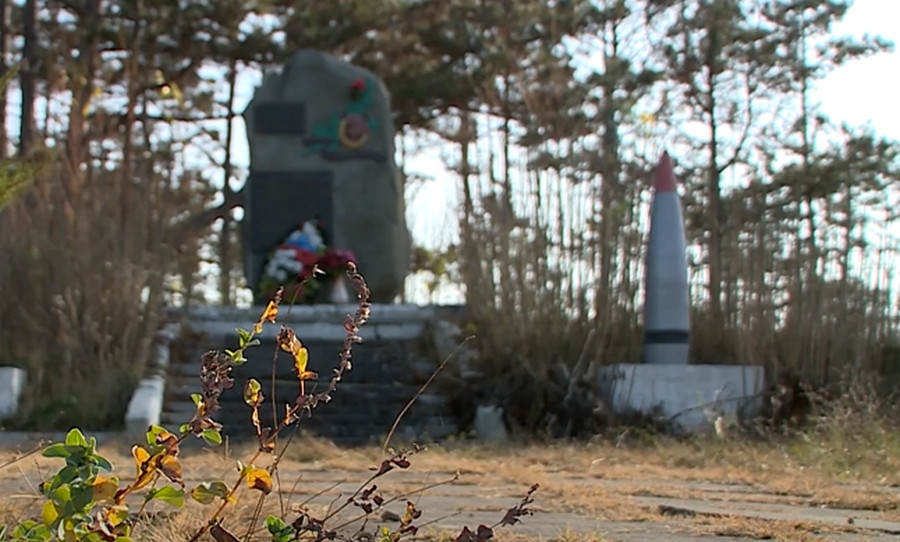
145	407
12	382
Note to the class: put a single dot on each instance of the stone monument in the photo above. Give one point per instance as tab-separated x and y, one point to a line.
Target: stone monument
321	143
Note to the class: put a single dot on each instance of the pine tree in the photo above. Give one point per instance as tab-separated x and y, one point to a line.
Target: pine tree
16	174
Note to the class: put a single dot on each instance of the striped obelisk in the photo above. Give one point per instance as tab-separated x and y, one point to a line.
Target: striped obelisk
666	301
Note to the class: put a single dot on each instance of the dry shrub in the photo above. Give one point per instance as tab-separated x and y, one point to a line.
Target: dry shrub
527	340
81	280
854	433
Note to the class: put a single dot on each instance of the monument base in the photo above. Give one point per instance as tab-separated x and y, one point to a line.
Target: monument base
690	396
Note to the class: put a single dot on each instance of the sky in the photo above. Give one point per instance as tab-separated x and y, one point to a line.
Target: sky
865	92
861	93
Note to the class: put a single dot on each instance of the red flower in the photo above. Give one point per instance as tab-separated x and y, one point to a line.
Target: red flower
307	257
335	260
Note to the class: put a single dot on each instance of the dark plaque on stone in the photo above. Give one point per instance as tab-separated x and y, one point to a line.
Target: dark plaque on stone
281	118
279	202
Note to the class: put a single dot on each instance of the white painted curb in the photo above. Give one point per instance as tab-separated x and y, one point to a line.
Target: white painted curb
146	404
12	383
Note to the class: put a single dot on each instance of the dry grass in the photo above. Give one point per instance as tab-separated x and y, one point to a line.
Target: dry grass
597	480
763	529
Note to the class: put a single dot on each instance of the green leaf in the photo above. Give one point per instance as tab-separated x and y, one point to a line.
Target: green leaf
82	497
184	428
197	398
62	494
62	477
76	438
56	450
207	492
32	531
254	342
280	531
152	432
251	392
274	523
212	436
243	337
102	462
236	356
168	494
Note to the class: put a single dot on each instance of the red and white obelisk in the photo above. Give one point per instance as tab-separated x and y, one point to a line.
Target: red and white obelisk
666	301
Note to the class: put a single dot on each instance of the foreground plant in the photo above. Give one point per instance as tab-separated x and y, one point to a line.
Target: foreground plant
82	502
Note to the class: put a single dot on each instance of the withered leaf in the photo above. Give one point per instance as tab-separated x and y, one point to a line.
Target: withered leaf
411	513
386	466
221	535
171	468
168	441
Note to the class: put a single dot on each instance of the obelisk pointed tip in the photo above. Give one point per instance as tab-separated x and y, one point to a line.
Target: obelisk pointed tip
665	180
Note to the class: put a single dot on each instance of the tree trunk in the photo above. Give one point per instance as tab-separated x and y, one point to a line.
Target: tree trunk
610	196
225	240
82	87
27	126
4	69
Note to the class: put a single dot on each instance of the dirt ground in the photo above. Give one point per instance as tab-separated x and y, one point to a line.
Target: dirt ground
586	492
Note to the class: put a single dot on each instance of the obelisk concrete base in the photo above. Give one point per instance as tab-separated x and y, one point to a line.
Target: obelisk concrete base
690	396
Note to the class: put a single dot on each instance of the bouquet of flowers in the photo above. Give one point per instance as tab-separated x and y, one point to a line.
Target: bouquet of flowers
294	260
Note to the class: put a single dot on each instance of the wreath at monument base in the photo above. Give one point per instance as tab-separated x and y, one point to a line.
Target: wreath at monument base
294	260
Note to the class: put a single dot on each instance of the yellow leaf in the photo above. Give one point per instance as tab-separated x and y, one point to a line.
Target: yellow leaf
301	357
271	312
105	488
259	479
289	342
268	315
117	515
252	393
140	456
146	467
49	514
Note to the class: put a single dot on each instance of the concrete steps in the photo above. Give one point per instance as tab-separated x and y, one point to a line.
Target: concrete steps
389	367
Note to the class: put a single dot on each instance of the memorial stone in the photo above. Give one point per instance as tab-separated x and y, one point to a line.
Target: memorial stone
321	144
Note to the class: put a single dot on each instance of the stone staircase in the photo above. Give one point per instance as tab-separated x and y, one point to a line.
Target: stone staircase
389	366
